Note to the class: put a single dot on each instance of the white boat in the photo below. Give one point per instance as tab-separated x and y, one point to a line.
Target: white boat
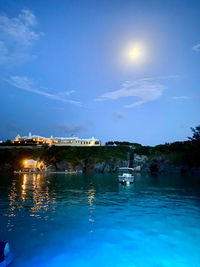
125	175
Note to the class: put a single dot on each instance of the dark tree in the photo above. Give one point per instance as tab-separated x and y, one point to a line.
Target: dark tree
196	134
109	143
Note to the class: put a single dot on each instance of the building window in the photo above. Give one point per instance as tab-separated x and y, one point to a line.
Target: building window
96	142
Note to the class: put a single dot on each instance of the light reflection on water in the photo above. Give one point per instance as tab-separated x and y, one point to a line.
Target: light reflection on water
91	199
91	220
33	193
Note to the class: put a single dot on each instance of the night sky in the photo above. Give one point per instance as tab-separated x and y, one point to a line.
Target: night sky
115	70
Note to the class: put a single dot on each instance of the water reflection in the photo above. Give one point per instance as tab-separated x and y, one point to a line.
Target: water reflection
23	194
91	197
42	200
12	198
32	193
91	200
39	197
12	206
126	189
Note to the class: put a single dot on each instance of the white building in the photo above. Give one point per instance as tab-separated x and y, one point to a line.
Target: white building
57	141
75	141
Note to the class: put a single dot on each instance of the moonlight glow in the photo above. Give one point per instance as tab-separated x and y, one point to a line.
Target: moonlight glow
134	53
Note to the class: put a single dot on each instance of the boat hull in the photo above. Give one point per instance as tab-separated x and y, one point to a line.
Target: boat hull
126	180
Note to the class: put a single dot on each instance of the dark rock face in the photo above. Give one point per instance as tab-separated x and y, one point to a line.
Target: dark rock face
161	164
139	160
87	165
154	168
63	165
6	167
90	165
111	166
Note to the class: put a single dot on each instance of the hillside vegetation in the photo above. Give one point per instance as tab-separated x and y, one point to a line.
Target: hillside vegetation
180	153
185	153
54	154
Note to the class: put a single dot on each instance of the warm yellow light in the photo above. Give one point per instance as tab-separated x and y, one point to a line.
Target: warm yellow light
25	162
134	53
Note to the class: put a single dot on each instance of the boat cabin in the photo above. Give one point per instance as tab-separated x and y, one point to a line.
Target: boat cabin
125	175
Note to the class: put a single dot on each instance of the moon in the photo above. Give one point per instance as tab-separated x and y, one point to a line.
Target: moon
134	53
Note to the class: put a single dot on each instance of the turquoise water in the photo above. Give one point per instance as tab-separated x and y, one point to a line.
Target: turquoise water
91	220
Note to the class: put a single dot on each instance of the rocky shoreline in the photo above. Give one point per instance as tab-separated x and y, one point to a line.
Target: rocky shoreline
93	160
140	163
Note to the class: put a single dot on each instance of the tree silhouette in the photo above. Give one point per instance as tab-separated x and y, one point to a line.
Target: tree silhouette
196	134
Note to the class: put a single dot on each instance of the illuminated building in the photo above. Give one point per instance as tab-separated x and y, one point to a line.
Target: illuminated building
57	141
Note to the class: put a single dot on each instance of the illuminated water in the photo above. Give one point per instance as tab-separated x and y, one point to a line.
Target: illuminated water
91	220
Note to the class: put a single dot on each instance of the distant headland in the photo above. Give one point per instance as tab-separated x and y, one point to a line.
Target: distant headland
92	156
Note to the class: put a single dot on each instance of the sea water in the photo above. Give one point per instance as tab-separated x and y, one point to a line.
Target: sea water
93	221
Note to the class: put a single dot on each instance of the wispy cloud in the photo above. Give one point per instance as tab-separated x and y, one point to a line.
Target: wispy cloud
169	77
17	35
70	129
26	84
183	97
145	90
118	115
12	127
196	48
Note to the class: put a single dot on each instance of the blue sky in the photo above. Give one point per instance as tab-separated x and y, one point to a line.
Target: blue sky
65	69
